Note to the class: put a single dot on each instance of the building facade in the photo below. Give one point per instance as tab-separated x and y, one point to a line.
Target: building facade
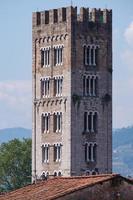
72	92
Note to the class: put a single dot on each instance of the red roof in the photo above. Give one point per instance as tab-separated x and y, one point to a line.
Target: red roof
54	188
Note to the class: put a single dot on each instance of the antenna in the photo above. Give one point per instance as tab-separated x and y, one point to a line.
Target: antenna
71	3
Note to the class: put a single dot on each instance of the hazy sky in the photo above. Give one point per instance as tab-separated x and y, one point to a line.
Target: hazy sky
15	58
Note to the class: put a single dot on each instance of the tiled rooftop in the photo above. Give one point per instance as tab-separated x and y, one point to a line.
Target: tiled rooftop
54	188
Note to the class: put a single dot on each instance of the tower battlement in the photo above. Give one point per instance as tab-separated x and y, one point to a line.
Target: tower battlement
62	15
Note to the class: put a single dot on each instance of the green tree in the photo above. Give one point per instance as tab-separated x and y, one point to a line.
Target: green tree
15	164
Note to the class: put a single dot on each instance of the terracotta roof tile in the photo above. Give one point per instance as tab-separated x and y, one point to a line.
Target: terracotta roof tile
54	188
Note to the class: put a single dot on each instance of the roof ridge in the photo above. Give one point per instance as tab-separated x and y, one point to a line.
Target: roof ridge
90	176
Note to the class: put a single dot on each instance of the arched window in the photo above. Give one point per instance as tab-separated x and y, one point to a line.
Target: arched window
93	173
90	152
55	174
90	54
59	173
57	121
43	176
90	85
45	153
95	152
47	174
90	122
45	122
95	122
57	152
58	55
87	173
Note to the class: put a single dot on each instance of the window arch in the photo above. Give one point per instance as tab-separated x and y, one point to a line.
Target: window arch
57	152
90	151
44	175
45	122
59	173
91	121
45	153
87	173
55	173
90	85
90	53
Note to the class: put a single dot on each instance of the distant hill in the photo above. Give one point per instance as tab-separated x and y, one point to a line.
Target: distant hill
122	146
11	133
122	136
123	151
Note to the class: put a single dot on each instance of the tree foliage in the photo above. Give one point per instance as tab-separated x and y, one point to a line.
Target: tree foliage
15	164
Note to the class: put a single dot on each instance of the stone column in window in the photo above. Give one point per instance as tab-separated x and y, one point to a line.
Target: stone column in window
61	86
47	153
57	121
48	56
58	49
45	123
83	85
94	152
61	55
87	121
45	87
92	147
56	82
94	80
89	55
89	151
56	56
59	153
92	122
89	85
58	86
45	56
48	121
56	152
95	122
42	57
60	128
59	92
94	55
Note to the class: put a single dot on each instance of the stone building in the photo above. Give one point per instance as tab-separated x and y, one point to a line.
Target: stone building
72	92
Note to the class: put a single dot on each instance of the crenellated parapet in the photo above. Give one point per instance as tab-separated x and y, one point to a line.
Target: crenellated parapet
62	15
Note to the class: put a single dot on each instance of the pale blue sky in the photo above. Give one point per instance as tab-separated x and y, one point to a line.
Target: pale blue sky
15	58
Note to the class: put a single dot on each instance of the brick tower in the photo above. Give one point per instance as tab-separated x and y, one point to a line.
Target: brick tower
72	92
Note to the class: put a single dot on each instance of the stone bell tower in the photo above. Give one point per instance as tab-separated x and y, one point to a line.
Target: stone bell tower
72	92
